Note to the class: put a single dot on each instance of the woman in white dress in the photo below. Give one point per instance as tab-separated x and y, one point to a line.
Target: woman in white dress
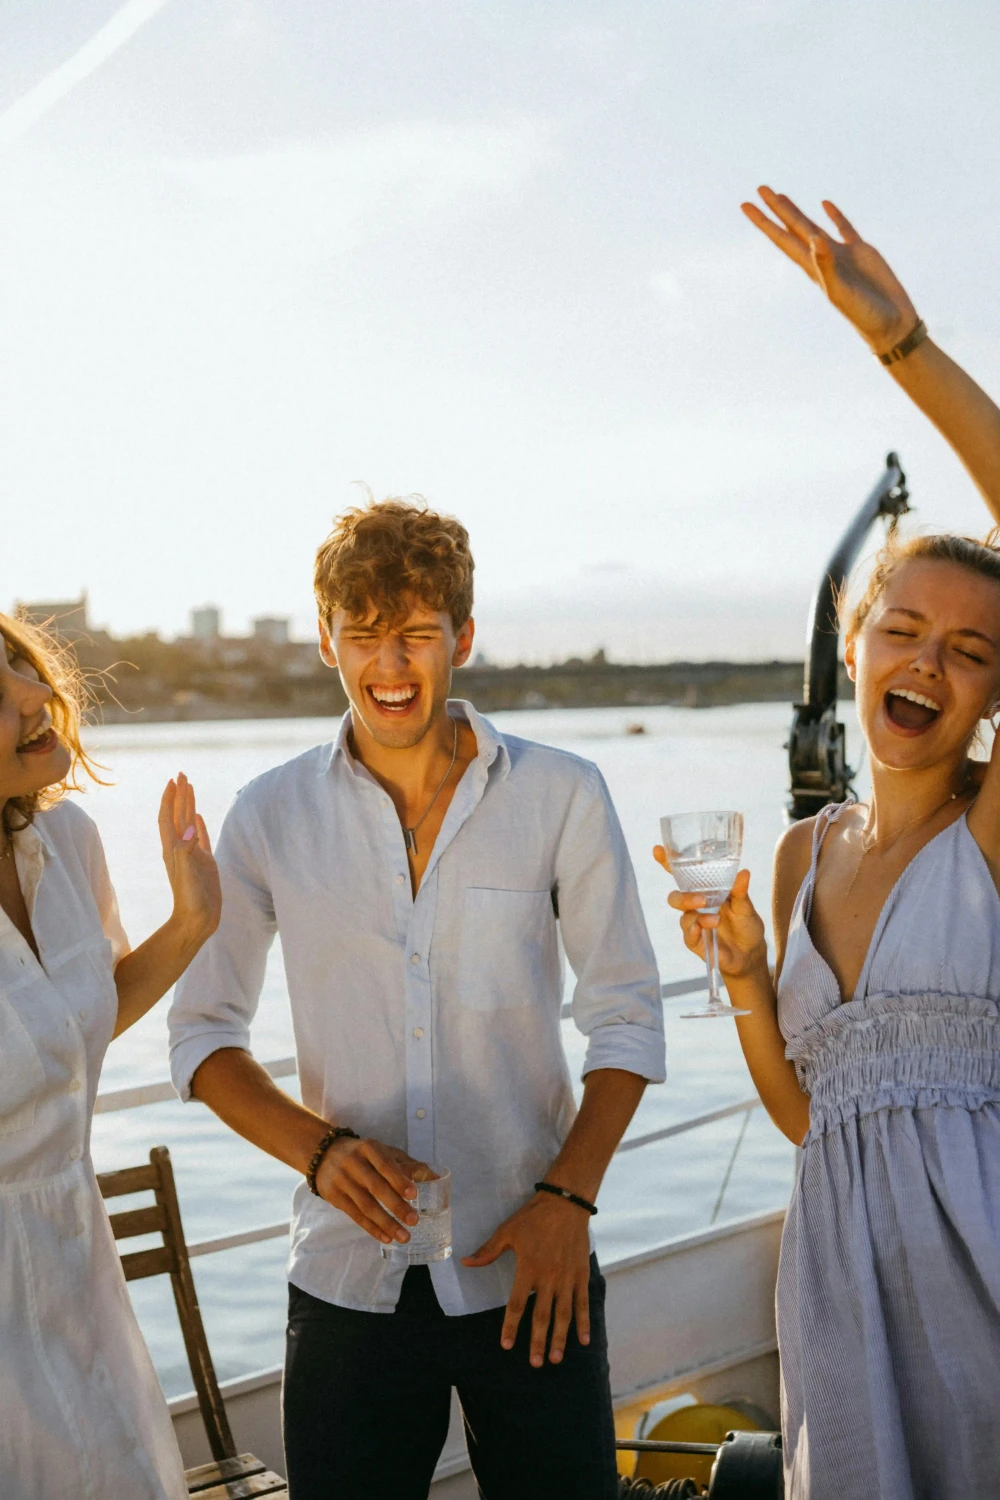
81	1411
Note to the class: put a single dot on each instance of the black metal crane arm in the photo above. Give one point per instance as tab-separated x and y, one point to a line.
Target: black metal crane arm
816	752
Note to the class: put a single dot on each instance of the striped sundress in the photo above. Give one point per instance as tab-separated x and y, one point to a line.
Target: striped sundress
888	1298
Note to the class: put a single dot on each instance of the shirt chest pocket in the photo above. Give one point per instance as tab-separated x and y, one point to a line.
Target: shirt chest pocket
509	952
22	1077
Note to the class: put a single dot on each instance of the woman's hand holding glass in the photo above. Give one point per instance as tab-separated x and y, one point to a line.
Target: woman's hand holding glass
742	949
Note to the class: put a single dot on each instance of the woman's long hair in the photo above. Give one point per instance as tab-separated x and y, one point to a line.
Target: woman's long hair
56	666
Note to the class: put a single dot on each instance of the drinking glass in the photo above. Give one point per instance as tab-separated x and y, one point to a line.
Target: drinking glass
704	852
430	1237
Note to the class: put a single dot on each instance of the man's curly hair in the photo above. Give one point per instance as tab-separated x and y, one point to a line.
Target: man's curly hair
391	553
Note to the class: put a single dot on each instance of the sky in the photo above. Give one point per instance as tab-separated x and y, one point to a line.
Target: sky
255	251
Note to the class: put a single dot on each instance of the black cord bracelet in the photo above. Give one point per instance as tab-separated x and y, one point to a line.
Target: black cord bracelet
550	1187
333	1134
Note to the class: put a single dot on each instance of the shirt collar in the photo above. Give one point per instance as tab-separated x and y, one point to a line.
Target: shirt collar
490	743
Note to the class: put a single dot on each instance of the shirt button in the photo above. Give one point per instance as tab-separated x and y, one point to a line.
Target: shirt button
415	959
82	1014
400	879
74	1155
74	1087
421	1113
418	1032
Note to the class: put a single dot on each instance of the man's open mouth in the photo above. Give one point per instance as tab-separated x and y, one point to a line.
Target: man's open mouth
39	743
397	699
911	711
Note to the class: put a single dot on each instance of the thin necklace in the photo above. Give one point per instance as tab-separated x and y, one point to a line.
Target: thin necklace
866	848
868	843
410	834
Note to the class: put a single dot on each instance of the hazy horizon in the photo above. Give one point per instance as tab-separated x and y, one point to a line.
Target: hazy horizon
253	252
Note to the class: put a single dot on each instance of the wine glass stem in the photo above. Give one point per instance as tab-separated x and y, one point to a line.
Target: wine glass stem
712	965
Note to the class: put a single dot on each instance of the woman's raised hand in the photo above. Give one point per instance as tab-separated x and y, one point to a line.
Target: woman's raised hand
850	272
187	854
742	946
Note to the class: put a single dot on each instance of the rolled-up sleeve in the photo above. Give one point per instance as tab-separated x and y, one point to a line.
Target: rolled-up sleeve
616	1002
216	999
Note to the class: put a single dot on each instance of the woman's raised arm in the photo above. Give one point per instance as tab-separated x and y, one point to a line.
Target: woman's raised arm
860	284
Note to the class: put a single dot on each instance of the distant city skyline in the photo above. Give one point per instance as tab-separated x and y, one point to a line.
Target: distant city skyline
252	252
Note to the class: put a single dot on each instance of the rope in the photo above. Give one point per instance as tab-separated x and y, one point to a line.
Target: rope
671	1489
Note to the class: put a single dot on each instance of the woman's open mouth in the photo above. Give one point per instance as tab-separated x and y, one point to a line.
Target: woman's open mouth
41	743
909	711
397	700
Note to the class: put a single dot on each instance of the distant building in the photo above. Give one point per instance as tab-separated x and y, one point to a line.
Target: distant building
65	617
206	623
271	630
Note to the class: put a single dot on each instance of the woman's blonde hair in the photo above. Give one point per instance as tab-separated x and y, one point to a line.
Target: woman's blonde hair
978	557
71	699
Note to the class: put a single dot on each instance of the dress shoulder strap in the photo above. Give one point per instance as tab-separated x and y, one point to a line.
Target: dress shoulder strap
824	818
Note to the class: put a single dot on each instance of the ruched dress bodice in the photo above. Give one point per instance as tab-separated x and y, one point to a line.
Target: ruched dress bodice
889	1286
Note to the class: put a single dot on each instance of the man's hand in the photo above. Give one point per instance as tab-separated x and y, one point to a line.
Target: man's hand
372	1184
551	1241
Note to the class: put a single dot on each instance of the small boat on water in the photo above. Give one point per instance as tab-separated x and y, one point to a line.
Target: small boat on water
691	1321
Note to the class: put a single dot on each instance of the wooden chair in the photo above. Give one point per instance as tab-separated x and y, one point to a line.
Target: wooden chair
232	1475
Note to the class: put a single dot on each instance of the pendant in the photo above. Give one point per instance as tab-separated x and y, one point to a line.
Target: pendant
410	840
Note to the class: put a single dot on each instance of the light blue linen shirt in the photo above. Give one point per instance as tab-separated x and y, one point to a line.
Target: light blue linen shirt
429	1022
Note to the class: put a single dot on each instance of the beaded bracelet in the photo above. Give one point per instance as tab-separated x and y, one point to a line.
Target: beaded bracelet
333	1134
560	1192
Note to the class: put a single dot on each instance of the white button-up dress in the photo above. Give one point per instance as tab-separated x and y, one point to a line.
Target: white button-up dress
81	1410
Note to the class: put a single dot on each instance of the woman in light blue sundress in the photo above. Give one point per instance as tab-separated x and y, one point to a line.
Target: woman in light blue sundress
879	1050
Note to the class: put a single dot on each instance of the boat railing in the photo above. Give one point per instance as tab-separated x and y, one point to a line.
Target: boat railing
161	1092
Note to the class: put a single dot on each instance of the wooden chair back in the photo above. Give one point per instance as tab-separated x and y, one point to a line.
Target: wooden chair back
163	1217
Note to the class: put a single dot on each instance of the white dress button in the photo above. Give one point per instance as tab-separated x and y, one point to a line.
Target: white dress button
74	1155
400	879
415	958
74	1087
418	1032
421	1113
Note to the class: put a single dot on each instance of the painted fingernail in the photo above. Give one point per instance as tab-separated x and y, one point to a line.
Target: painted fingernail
189	833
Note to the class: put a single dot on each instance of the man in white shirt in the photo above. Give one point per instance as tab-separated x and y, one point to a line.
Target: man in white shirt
419	871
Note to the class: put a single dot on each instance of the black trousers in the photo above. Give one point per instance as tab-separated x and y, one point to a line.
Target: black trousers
366	1402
